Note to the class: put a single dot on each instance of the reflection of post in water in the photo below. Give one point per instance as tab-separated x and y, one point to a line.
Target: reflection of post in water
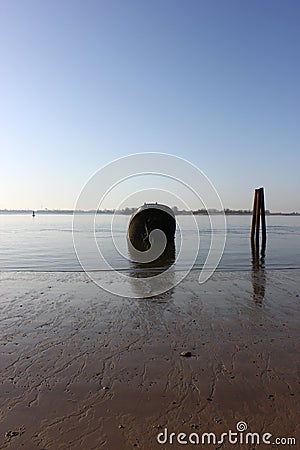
258	273
258	259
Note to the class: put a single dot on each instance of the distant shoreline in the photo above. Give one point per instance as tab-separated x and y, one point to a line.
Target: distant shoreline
129	211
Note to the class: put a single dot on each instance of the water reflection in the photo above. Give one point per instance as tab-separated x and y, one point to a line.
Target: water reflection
152	272
159	265
258	272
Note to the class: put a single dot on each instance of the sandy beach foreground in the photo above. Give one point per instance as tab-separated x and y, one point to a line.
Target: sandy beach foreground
84	369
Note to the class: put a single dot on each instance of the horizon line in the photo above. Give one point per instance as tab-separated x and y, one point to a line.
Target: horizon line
128	211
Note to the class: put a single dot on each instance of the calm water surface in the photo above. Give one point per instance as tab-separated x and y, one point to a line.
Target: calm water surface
45	243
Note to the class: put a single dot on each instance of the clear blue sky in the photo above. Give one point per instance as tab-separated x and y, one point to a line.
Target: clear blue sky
85	82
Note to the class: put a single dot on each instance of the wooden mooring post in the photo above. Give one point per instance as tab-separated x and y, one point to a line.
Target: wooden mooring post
258	216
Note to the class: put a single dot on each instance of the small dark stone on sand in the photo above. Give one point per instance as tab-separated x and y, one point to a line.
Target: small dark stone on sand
186	354
12	433
218	420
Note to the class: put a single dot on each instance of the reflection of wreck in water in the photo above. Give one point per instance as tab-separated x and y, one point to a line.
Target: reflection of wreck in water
157	277
152	268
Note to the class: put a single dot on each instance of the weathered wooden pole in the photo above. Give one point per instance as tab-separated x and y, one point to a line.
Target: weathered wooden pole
255	255
258	263
258	215
254	216
263	217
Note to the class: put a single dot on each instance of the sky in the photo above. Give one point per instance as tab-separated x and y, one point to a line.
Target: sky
83	83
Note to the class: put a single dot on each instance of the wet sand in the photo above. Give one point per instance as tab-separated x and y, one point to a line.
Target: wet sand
84	369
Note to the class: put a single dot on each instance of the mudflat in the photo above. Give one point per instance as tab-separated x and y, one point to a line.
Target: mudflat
84	369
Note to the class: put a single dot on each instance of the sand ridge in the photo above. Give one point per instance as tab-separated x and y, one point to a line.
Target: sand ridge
83	369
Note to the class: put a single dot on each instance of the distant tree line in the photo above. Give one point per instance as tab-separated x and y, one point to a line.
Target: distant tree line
129	211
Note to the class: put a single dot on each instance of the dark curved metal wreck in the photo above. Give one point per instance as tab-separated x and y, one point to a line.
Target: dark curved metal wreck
149	217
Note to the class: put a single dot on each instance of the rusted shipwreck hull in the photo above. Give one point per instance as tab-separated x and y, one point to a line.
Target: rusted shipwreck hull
149	217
